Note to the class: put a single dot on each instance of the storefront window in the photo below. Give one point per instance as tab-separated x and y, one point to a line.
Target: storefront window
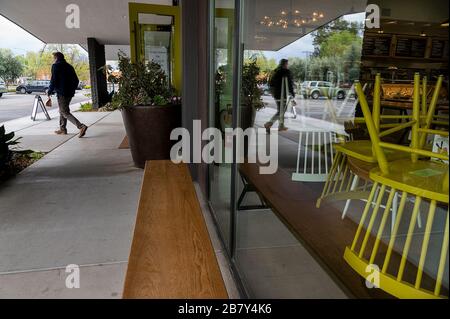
343	97
221	111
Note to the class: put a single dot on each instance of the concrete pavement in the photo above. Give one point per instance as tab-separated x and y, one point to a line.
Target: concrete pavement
14	106
39	135
76	205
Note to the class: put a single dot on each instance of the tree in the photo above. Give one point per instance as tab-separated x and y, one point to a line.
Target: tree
336	26
74	56
353	59
298	69
10	67
38	65
337	44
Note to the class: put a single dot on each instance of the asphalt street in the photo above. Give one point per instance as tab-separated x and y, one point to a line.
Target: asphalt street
13	106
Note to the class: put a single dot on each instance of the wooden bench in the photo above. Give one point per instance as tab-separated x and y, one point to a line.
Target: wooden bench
171	254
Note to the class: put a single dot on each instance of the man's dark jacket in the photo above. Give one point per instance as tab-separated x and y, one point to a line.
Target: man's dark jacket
276	81
64	79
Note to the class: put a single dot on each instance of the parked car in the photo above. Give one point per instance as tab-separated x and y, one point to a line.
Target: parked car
317	89
2	88
39	86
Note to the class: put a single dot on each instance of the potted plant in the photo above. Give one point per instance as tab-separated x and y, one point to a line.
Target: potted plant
149	109
251	93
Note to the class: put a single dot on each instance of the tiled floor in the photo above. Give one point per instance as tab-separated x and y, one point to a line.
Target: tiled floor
274	263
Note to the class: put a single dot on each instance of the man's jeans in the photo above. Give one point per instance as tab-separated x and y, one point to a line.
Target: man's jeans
64	112
279	116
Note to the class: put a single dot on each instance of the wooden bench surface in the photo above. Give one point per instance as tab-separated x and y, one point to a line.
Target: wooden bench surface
171	254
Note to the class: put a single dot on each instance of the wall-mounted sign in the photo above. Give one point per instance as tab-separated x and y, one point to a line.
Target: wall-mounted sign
379	46
437	49
410	47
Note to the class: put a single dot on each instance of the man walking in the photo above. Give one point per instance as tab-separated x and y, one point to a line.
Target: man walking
64	82
279	75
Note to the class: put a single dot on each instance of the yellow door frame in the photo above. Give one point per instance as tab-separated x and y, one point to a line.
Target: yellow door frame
135	31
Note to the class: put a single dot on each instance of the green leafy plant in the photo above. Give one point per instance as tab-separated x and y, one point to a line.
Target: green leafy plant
6	141
250	93
86	107
159	100
12	161
141	83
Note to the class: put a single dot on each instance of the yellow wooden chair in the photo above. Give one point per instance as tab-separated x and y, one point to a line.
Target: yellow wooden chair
342	183
427	119
422	178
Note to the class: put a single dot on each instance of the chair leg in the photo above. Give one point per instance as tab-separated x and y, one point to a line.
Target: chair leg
330	178
394	214
394	211
376	196
347	203
419	220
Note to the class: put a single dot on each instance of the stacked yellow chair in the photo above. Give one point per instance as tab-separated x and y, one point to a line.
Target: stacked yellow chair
423	176
340	184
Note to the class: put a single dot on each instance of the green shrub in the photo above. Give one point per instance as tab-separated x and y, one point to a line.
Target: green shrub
86	107
12	161
142	84
6	140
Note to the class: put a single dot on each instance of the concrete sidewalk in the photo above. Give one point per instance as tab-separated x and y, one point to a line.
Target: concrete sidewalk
39	135
76	205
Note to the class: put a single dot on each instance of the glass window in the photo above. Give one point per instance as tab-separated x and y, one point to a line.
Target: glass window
302	63
221	112
157	40
286	44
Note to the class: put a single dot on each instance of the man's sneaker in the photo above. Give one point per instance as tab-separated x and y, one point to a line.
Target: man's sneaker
83	130
282	128
61	132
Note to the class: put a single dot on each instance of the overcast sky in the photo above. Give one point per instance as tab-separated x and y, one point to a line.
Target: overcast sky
17	39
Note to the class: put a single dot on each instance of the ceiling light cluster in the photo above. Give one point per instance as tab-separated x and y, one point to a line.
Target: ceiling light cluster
292	18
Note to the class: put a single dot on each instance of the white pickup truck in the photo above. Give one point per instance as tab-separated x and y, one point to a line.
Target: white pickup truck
2	88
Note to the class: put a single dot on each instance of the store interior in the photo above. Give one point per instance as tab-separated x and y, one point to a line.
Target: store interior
291	234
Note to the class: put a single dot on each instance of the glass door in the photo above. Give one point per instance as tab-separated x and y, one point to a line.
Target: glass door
221	111
156	35
157	45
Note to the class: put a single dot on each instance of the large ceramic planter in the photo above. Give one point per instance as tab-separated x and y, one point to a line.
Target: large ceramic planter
248	115
148	129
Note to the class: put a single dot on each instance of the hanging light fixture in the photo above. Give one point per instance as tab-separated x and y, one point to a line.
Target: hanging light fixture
292	18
